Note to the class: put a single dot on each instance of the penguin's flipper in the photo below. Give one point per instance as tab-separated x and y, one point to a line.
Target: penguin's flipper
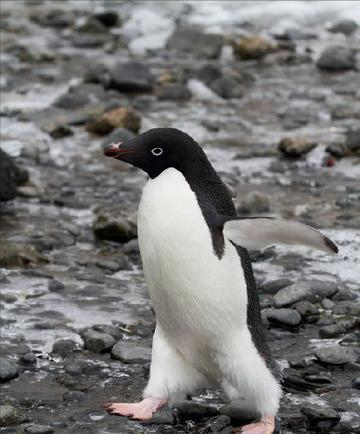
259	232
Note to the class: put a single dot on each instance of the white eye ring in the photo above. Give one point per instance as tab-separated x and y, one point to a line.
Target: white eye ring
157	151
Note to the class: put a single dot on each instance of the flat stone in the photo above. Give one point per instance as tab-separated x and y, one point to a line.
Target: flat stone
336	58
10	416
273	286
190	409
349	308
8	370
64	347
120	117
288	317
131	77
74	395
219	424
39	429
294	293
55	285
174	92
344	26
73	369
295	147
331	331
130	352
336	355
316	414
308	311
98	342
114	226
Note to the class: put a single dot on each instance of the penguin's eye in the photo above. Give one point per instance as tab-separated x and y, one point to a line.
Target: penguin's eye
157	151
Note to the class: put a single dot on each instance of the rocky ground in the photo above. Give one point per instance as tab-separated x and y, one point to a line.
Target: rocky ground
276	105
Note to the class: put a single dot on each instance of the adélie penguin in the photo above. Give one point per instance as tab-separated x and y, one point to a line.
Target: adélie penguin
200	280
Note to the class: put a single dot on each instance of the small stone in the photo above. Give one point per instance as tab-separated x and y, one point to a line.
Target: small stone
336	355
331	331
240	411
295	147
327	304
336	58
219	424
308	311
98	342
174	92
73	369
109	265
130	352
115	227
349	308
11	175
190	409
345	26
39	429
111	330
317	414
57	130
28	358
71	100
162	417
55	285
254	202
273	286
63	347
356	383
8	298
8	370
323	288
91	25
10	416
122	117
292	294
288	317
117	135
253	47
131	77
191	39
131	247
227	87
353	139
108	18
74	395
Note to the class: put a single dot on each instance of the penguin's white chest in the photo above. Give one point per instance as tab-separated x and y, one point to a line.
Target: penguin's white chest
197	297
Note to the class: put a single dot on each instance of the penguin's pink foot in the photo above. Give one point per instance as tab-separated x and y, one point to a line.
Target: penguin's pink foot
143	410
265	426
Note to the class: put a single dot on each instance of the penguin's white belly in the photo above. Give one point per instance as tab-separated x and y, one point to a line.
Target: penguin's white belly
198	298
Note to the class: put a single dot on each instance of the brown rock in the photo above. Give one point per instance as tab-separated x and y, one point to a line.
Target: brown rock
122	117
295	147
253	47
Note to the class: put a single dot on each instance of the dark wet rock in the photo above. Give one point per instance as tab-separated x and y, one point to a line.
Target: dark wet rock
337	355
11	175
219	424
320	417
227	87
238	410
344	294
287	317
162	417
96	73
295	147
131	247
8	298
8	370
117	135
56	18
71	100
175	92
273	286
323	288
108	18
351	338
208	73
190	409
55	285
3	278
308	311
190	39
353	140
338	150
64	347
108	264
111	330
346	308
131	77
28	358
115	227
294	34
356	383
10	416
254	202
74	369
336	58
253	47
130	352
74	395
57	130
91	25
344	26
121	117
39	429
98	342
331	331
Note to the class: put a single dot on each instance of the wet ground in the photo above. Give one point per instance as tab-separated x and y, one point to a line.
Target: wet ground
68	295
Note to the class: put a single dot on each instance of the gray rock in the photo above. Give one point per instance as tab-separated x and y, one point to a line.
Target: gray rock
208	73
254	202
131	77
190	409
331	331
353	139
28	358
39	429
56	18
175	92
288	317
131	247
74	395
130	352
239	410
190	39
91	25
96	73
294	293
98	342
10	416
8	370
308	311
295	147
108	264
345	26
349	308
323	288
327	304
115	226
117	135
8	298
336	58
55	285
337	355
73	369
57	130
71	100
227	87
88	40
10	176
64	347
320	416
108	18
114	331
162	417
356	383
273	286
219	424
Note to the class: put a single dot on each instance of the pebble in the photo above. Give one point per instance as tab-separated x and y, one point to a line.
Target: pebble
173	92
55	285
114	226
114	331
336	58
254	202
356	383
8	298
294	293
308	311
57	130
131	77
351	308
39	429
28	358
64	347
227	87
10	416
253	47
164	416
345	26
98	342
74	395
190	409
327	304
8	370
130	352
108	264
331	331
288	317
121	117
320	416
336	355
73	369
219	424
295	147
273	286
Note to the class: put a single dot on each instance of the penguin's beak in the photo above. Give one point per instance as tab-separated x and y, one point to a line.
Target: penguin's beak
115	150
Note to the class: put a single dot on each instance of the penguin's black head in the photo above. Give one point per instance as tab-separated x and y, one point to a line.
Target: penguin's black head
158	149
